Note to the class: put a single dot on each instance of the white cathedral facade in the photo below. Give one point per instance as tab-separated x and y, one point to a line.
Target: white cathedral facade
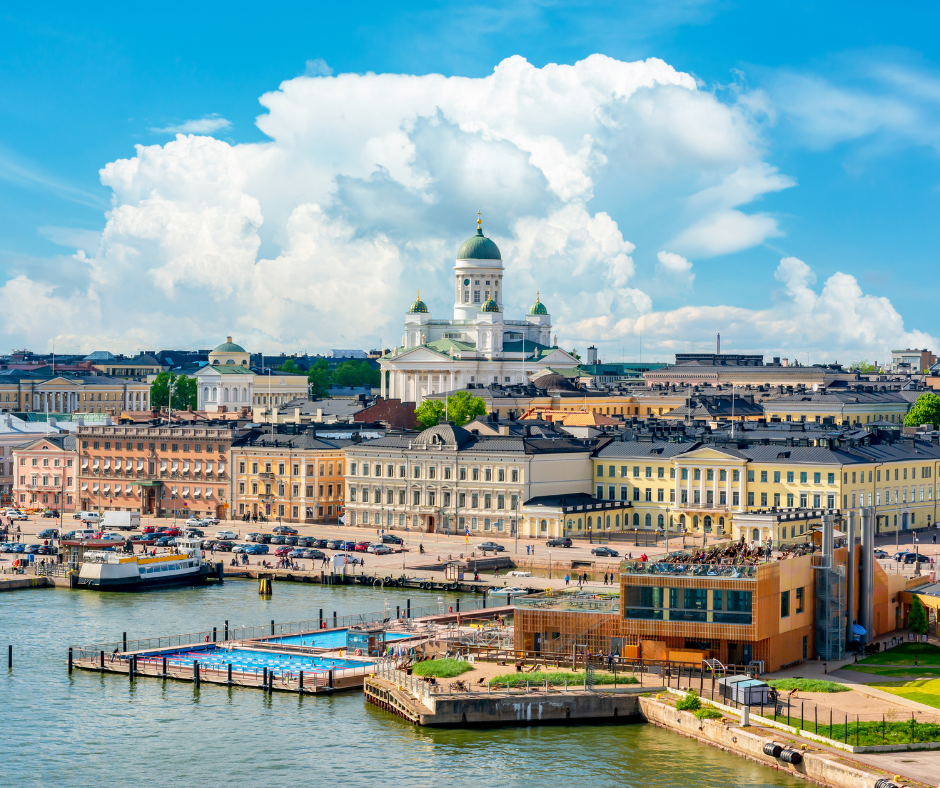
479	345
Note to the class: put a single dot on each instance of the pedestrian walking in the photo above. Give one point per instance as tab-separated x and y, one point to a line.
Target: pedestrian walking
567	579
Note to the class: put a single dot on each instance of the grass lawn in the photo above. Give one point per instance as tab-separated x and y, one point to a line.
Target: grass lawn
869	733
903	654
807	685
442	668
926	691
900	673
556	678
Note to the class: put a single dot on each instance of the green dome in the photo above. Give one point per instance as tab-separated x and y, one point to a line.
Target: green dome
229	347
479	247
418	307
538	308
489	306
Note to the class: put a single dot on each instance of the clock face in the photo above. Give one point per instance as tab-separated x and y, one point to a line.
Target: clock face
466	282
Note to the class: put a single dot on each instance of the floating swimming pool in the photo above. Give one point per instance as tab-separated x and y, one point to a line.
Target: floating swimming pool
335	638
248	660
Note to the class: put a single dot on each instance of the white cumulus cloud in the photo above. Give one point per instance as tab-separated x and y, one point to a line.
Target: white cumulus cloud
206	125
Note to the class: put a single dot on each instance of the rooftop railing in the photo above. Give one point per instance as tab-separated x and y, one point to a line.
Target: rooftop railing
593	603
664	569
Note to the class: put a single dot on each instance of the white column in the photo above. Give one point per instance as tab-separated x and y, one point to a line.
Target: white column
383	373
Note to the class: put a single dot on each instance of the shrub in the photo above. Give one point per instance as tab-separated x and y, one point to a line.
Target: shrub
442	668
556	678
691	702
708	713
807	685
917	618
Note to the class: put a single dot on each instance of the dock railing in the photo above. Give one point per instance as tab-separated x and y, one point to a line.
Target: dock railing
274	630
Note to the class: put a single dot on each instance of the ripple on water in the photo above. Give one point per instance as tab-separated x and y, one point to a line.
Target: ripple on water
90	729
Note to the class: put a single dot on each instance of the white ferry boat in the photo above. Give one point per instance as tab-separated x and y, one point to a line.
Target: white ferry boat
104	570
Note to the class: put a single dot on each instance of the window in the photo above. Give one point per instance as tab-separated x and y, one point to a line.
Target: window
803	500
487	475
802	477
750	499
784	604
697	474
660	473
474	501
750	476
416	497
636	471
832	478
800	598
514	475
722	476
475	474
684	475
817	478
600	492
500	474
611	492
763	500
776	477
763	476
401	472
649	471
735	476
416	472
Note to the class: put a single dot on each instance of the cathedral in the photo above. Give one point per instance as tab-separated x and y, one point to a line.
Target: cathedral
479	346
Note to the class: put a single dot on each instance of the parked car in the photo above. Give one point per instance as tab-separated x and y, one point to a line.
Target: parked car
48	533
277	539
296	552
354	560
605	551
32	548
13	514
880	554
335	544
559	541
392	539
321	543
50	513
281	551
305	541
46	549
379	549
150	529
259	549
350	546
317	555
173	531
194	532
165	541
285	530
225	545
113	537
291	540
253	536
226	535
193	521
911	558
899	556
210	521
361	547
69	534
491	546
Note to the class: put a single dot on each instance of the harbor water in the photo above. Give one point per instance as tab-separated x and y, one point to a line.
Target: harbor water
89	728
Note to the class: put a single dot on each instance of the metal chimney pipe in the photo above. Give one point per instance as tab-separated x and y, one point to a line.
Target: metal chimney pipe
867	582
851	574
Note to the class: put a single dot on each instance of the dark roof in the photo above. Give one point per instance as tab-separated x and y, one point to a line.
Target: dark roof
648	449
574	502
497	444
305	440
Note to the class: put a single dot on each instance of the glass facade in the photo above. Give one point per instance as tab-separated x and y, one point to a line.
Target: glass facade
654	603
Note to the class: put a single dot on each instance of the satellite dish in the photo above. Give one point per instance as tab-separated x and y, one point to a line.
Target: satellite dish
815	387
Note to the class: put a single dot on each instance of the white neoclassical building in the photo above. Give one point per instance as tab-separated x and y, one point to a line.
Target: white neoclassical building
228	383
479	345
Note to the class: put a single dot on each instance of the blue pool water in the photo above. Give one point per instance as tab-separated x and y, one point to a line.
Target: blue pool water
335	638
248	660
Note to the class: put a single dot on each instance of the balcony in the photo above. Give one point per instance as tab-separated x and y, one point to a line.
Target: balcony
704	571
266	475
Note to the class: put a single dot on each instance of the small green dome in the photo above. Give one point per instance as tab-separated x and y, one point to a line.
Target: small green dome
418	307
479	247
229	347
538	308
489	306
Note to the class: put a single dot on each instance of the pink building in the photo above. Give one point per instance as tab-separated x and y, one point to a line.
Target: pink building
45	473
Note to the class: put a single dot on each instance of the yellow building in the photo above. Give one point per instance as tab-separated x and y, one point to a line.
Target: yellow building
702	488
24	392
289	476
842	407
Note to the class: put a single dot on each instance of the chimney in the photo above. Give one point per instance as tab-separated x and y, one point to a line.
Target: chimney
718	345
50	420
592	355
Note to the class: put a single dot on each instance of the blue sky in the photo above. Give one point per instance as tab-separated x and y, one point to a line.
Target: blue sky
779	184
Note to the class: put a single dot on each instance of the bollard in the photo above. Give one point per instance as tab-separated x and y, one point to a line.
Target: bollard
70	659
272	626
484	599
226	629
213	635
320	620
264	679
397	612
334	619
125	642
331	679
196	671
130	669
164	667
408	608
458	606
102	662
10	657
230	674
300	684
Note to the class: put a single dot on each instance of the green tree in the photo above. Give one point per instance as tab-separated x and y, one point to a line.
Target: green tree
290	367
458	408
863	366
184	393
917	618
318	378
160	389
925	411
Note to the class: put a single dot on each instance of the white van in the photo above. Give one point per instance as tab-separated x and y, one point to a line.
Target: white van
89	517
86	534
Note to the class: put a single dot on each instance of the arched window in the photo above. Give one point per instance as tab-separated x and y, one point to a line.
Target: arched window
721	522
225	394
682	520
617	520
543	526
661	521
755	535
695	521
636	519
648	520
245	394
205	393
579	523
708	522
608	521
590	520
231	361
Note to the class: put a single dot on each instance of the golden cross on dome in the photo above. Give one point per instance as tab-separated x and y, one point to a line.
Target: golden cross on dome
479	220
537	294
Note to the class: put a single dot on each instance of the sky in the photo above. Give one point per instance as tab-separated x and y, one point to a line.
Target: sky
657	172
